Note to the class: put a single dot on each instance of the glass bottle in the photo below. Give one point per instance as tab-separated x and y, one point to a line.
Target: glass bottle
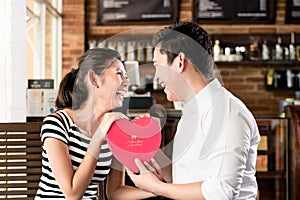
297	98
217	51
292	48
278	50
254	53
265	51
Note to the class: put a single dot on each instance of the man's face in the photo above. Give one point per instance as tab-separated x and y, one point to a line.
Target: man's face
166	75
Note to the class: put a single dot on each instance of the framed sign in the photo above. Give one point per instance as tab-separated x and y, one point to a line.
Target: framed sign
234	11
136	11
292	11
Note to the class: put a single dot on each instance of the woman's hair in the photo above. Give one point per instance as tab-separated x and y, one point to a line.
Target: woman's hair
64	96
73	90
190	39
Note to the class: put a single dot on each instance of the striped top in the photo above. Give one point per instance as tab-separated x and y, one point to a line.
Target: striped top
66	131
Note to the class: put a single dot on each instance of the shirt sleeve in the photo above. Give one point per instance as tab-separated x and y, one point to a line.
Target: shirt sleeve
228	159
54	127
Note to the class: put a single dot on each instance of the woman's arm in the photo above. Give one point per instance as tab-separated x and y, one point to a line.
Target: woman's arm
73	183
116	188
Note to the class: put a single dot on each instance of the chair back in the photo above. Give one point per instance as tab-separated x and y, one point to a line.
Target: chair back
20	159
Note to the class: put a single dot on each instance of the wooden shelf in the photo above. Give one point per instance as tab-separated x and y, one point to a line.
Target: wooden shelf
271	175
106	31
211	28
261	63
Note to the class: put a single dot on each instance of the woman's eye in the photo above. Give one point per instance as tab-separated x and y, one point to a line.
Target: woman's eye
122	75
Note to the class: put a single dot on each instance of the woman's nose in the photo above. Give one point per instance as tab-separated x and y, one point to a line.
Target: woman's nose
126	82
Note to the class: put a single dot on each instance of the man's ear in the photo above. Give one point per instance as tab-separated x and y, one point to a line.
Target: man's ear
181	62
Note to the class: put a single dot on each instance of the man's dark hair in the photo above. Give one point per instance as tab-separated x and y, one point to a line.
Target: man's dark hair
190	39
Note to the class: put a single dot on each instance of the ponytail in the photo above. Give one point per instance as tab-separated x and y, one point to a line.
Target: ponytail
64	96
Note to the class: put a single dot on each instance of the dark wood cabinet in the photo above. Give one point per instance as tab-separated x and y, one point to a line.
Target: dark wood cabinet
273	180
293	112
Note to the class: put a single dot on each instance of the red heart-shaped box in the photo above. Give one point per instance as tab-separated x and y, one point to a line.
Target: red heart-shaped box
128	140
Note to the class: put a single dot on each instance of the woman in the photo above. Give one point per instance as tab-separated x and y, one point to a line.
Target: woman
75	154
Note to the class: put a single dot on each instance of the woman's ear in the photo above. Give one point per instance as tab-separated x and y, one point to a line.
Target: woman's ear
92	77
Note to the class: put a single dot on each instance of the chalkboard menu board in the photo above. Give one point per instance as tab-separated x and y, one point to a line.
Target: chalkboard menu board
137	11
236	11
292	11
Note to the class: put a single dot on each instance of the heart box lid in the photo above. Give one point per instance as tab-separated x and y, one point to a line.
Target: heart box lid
128	140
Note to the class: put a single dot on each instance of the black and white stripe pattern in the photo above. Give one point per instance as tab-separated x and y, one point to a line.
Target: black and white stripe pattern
66	131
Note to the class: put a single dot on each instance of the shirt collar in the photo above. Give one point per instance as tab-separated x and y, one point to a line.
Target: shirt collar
202	99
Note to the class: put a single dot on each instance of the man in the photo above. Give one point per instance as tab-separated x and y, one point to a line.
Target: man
215	146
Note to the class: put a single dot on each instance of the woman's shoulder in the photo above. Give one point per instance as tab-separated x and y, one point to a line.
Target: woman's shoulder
56	125
61	116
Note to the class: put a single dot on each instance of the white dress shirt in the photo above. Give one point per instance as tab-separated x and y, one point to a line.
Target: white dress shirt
216	142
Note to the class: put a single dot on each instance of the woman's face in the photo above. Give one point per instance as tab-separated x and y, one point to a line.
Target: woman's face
114	85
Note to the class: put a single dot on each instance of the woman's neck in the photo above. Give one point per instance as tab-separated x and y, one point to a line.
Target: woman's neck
86	121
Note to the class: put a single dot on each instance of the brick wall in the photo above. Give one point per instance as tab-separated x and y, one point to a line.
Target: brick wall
245	81
73	35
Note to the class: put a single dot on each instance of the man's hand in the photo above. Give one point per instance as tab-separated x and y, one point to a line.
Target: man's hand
149	177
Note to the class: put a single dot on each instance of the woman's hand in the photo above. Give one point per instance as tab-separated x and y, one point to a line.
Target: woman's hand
101	131
157	120
150	175
141	116
107	120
